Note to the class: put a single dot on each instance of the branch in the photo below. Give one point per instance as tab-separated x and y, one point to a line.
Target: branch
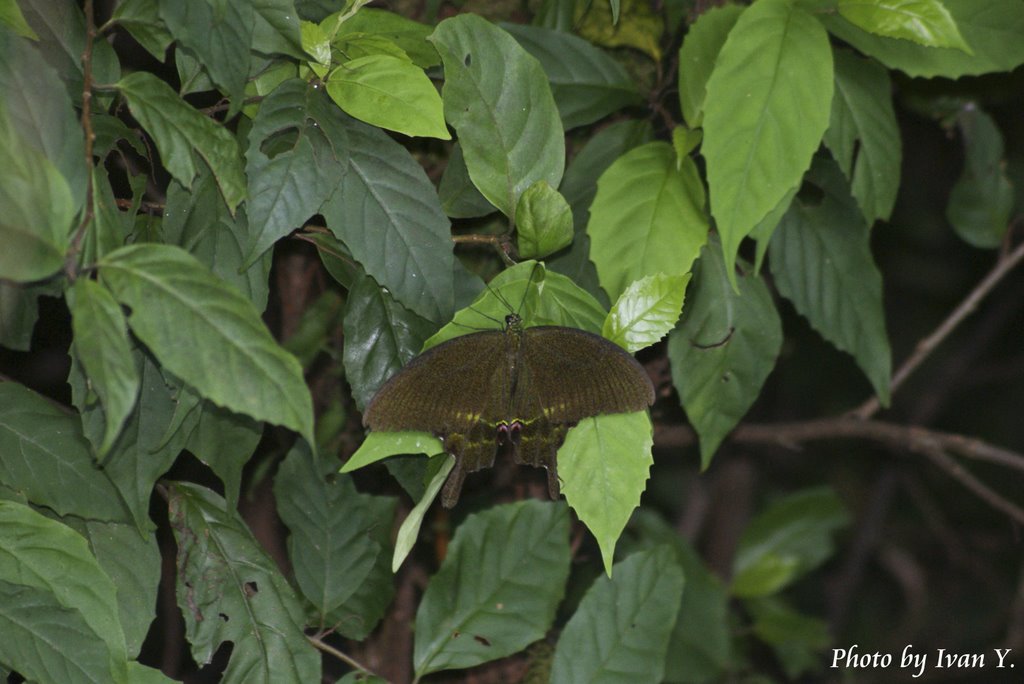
1004	265
71	260
933	444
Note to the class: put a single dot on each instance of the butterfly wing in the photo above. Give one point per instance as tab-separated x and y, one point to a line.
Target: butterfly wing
567	375
457	391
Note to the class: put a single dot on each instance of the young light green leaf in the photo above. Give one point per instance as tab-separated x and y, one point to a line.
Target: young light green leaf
132	561
46	555
604	465
317	45
992	28
44	455
330	546
620	632
723	349
208	334
863	120
789	539
380	445
101	344
821	261
488	78
497	589
646	311
184	136
49	642
410	36
767	106
229	590
410	528
12	18
697	57
391	93
219	36
586	82
685	140
543	221
296	158
925	22
409	249
981	201
382	335
647	217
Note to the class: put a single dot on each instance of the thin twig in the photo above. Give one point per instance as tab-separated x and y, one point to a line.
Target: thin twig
1004	265
933	444
343	657
71	260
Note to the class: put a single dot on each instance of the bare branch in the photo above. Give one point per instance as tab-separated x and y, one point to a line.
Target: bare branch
71	260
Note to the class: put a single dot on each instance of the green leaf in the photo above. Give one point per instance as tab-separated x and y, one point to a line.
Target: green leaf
821	260
44	455
647	217
765	228
700	644
142	19
981	201
767	107
132	561
229	590
183	135
797	639
459	197
723	349
697	57
586	82
19	310
382	336
410	36
219	36
102	347
925	22
199	222
410	529
579	187
391	93
12	18
991	27
276	28
48	642
330	546
51	557
36	210
488	77
380	445
387	213
604	465
863	134
620	632
296	158
789	539
208	335
145	449
41	114
543	221
646	311
497	589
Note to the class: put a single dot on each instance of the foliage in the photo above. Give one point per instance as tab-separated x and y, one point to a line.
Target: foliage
247	215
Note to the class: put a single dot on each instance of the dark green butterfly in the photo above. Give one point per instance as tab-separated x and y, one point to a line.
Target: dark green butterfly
521	386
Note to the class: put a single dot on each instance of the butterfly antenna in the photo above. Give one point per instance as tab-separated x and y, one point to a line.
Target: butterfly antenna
522	302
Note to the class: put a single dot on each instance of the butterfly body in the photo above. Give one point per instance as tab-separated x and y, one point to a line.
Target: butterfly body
522	387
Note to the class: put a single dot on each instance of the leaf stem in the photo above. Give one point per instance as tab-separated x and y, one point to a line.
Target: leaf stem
71	259
926	346
343	657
